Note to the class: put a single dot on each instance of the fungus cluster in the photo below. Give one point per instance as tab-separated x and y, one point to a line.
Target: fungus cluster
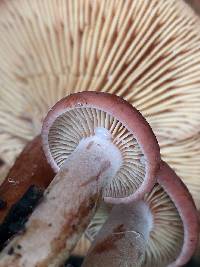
102	149
145	51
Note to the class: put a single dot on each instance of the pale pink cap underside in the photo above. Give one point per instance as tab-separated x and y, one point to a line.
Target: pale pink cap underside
128	116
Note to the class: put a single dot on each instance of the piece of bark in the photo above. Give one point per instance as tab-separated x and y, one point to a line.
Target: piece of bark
30	168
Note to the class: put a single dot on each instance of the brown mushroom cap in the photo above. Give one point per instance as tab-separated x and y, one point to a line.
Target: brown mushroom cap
145	51
196	255
184	203
174	231
80	115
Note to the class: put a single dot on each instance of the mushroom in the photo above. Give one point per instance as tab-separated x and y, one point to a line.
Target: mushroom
158	231
145	51
101	147
184	158
101	115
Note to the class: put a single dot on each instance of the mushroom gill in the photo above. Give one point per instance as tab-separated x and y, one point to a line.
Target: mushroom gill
166	236
79	123
145	51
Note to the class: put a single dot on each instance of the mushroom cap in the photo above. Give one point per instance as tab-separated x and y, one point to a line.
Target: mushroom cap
79	115
184	158
183	201
197	253
174	231
145	51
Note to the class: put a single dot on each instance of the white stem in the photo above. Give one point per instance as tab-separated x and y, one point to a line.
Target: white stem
122	240
69	202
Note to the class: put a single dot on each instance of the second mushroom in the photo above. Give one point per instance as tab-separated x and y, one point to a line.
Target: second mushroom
160	230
